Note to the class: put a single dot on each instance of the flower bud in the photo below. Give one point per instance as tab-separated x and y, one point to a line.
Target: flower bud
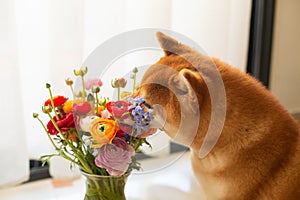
84	70
48	85
114	83
35	115
103	101
95	89
47	109
90	98
135	70
122	82
69	81
77	72
81	71
79	94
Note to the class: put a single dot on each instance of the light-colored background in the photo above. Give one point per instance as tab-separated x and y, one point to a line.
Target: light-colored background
285	65
175	182
44	40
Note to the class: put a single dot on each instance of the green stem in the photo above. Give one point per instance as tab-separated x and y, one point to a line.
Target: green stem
54	146
60	112
52	103
97	103
70	159
134	82
52	142
83	90
119	93
78	154
72	92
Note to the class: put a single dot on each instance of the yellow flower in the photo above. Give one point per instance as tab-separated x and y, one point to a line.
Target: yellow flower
67	107
103	131
125	94
100	109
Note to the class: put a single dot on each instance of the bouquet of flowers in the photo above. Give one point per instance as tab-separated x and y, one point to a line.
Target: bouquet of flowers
100	136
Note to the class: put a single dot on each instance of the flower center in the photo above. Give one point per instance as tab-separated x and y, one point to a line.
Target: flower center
102	127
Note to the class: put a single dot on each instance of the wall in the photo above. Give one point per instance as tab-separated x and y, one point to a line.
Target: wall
221	28
285	65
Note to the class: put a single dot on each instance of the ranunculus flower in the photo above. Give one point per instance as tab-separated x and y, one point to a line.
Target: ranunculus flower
67	107
82	108
115	157
64	123
85	122
118	108
103	131
125	128
58	100
90	82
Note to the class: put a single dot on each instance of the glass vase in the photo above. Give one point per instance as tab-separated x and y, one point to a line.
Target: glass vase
105	187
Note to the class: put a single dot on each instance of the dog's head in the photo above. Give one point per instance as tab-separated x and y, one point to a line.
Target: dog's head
174	87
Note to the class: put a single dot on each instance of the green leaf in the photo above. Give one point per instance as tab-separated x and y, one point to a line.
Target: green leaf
46	158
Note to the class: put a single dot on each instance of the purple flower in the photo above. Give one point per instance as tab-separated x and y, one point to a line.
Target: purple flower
138	100
141	118
115	157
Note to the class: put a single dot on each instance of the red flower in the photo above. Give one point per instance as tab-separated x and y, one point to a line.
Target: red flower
118	108
58	100
82	108
125	128
64	123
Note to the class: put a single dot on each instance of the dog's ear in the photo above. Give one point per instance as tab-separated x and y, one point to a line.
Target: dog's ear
183	84
170	45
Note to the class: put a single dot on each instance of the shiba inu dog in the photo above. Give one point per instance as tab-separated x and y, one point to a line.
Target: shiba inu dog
256	156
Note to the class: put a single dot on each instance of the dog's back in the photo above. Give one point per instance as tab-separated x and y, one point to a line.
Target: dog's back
259	148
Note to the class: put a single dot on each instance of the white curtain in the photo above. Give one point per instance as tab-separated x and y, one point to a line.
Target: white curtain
14	161
43	40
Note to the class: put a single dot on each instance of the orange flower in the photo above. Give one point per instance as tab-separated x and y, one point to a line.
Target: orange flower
72	136
103	131
100	109
67	107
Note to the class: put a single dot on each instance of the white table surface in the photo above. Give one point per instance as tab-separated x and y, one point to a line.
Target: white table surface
168	177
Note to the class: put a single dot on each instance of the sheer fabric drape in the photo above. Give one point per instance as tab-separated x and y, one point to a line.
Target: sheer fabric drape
43	40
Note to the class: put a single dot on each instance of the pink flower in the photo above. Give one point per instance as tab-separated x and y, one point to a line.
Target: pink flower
105	114
115	157
118	109
82	108
90	82
125	128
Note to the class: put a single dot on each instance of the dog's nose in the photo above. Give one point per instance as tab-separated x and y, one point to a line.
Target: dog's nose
160	116
147	105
